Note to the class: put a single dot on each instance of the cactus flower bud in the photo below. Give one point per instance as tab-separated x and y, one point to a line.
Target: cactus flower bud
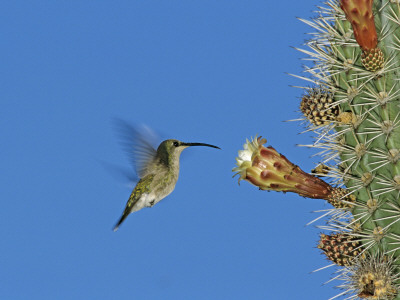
269	170
359	13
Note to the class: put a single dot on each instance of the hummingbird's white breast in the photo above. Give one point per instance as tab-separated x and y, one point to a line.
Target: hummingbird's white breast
145	200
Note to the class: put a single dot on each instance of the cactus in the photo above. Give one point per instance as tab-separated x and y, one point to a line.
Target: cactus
353	108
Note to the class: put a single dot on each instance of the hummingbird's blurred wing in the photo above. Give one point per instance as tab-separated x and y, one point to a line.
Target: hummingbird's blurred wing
138	144
123	174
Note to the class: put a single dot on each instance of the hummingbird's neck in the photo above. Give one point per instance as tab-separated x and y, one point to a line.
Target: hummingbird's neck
170	160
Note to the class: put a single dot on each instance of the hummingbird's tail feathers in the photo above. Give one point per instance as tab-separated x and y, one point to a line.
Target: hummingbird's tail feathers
138	199
123	217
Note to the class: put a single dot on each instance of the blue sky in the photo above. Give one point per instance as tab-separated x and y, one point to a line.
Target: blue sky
197	71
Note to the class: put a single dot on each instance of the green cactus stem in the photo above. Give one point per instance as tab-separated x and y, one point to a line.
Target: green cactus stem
354	111
355	55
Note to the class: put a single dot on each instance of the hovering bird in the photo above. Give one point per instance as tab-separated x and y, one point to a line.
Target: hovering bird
158	170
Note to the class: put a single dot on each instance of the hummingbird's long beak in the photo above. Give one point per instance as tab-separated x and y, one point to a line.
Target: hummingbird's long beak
198	144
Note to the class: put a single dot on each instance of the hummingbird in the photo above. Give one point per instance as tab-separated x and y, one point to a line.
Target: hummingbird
158	171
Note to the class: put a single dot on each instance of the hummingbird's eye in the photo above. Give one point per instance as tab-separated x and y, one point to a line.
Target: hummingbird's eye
176	144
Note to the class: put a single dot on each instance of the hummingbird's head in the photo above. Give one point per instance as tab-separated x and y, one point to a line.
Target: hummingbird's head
171	149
